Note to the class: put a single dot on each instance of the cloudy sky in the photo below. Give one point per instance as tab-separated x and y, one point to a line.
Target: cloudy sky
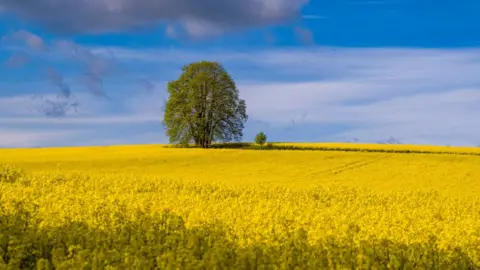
95	72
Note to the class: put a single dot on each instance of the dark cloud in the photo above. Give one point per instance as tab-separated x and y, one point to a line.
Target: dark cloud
95	67
64	101
58	106
73	16
94	84
54	77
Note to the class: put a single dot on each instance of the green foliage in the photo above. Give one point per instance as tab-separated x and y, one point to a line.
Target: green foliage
261	139
204	106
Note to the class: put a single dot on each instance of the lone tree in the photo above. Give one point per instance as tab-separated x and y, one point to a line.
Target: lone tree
261	139
204	106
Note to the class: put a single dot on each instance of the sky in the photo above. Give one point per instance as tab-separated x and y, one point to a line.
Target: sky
95	72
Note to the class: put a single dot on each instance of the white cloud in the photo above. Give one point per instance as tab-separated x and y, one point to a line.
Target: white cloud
52	135
33	41
140	138
75	120
418	96
17	105
25	105
35	137
200	29
415	95
23	109
170	31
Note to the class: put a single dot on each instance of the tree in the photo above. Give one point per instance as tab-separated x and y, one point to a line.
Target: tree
204	106
261	139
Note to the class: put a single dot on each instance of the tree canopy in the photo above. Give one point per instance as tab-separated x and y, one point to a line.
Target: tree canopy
261	139
204	106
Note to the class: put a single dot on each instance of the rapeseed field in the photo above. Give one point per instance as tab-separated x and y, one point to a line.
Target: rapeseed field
145	207
391	147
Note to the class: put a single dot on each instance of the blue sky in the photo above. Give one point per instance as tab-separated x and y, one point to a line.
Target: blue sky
95	72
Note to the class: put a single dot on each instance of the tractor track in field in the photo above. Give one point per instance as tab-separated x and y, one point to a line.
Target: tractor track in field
351	166
334	171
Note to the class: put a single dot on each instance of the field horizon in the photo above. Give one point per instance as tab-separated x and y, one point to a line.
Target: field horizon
328	145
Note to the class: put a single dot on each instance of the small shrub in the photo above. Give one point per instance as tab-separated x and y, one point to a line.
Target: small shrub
261	139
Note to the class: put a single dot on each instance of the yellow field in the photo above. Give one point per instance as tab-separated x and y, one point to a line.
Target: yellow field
252	209
380	172
429	148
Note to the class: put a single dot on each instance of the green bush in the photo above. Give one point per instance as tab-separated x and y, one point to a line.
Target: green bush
261	139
